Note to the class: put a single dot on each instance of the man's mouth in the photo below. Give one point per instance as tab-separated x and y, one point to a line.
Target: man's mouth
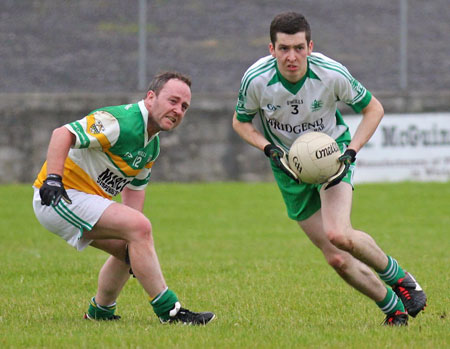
173	119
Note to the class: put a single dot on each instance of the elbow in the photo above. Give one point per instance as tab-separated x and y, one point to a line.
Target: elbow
380	113
235	124
378	107
380	110
374	109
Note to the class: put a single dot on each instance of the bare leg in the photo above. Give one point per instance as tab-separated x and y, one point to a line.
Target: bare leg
111	279
124	223
336	208
355	273
114	273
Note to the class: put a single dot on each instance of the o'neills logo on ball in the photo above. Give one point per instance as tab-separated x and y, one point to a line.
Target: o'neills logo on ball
297	164
327	151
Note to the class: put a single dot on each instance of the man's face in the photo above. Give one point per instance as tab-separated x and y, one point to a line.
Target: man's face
167	109
291	51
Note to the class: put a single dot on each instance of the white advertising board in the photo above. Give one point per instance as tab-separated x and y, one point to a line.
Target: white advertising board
405	147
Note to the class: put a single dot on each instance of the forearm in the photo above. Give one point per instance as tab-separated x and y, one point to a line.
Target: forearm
61	141
249	133
372	116
133	198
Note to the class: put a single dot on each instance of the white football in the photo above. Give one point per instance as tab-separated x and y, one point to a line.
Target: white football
314	157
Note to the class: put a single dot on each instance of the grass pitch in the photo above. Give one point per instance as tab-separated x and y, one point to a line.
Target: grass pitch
228	248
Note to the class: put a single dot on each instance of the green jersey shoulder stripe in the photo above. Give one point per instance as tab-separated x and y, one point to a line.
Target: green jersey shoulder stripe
255	73
331	66
335	66
243	91
360	105
321	60
84	139
336	69
245	84
257	66
358	96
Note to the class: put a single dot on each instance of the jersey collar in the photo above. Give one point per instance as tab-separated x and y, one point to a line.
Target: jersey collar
144	113
292	87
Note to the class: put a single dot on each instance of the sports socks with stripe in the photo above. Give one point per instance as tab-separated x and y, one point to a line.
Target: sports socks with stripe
101	312
163	303
392	273
391	303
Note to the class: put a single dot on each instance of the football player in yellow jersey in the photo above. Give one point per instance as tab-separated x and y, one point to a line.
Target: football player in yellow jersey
111	151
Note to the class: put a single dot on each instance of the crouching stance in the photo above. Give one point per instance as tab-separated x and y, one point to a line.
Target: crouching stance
91	160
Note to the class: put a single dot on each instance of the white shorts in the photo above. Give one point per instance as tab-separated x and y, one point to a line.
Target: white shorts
70	220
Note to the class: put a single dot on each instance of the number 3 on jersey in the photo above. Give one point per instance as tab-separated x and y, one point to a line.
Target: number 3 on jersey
294	110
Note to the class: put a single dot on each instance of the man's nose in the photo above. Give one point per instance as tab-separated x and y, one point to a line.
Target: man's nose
178	110
291	55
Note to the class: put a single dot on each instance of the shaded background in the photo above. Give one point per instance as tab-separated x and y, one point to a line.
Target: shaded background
92	45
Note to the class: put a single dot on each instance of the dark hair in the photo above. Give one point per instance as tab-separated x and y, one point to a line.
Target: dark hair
161	79
289	23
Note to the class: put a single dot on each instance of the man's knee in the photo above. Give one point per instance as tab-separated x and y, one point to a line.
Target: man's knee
341	239
338	261
141	230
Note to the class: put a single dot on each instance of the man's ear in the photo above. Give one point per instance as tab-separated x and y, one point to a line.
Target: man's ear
150	96
311	46
272	50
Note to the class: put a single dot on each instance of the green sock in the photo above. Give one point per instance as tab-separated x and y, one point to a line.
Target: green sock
391	303
392	273
100	312
163	303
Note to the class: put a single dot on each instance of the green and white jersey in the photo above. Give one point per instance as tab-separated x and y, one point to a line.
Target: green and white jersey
112	150
288	110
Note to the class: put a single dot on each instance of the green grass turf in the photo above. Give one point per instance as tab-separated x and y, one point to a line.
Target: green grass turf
228	248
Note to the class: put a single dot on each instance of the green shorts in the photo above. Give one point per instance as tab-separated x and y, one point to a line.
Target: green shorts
303	200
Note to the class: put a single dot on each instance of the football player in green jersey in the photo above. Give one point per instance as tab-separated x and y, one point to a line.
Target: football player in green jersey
293	91
89	161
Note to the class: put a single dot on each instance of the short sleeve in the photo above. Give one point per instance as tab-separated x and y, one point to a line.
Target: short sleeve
248	102
352	92
141	180
247	105
97	130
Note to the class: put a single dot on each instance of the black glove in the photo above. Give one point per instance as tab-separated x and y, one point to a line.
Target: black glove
346	159
53	190
277	155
